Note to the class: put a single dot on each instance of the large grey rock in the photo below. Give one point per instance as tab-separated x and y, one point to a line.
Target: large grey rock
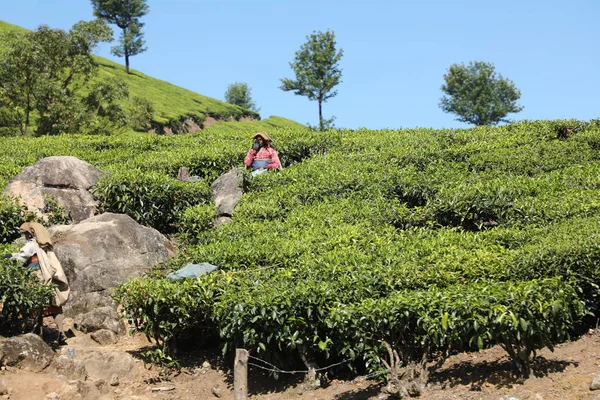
227	191
64	178
101	252
28	352
99	320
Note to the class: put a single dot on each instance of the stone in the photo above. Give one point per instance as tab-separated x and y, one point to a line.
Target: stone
52	396
28	352
68	367
103	364
101	319
100	253
227	191
217	392
114	380
595	385
3	387
104	337
66	179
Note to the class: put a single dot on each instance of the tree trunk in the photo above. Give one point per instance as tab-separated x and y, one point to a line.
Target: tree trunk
320	114
27	111
126	62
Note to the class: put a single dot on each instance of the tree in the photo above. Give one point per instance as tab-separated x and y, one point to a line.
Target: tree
125	14
478	95
42	71
317	71
240	94
45	81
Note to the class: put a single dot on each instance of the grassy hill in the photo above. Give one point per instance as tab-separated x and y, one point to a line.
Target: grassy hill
171	102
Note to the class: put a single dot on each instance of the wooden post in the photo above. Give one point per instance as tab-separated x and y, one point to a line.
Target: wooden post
240	375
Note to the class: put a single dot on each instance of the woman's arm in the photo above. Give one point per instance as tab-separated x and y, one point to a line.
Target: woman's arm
274	159
250	157
26	252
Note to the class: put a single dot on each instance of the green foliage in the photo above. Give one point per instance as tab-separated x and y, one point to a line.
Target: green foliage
22	297
195	220
140	114
317	71
11	218
477	95
240	94
126	15
169	101
151	199
105	113
42	74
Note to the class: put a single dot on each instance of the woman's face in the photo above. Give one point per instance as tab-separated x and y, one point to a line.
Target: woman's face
260	141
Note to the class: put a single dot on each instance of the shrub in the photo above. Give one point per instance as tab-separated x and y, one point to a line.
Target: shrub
22	297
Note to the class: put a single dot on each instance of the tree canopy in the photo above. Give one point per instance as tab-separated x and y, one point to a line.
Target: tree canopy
126	15
477	95
317	71
44	77
240	94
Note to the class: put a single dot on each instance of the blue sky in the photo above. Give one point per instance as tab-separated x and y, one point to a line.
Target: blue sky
395	52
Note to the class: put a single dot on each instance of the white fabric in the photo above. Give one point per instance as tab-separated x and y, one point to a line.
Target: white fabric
52	272
26	251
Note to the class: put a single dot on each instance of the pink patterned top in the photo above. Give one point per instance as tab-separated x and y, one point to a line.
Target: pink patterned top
264	153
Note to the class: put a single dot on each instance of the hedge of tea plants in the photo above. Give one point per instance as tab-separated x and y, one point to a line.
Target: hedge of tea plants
430	240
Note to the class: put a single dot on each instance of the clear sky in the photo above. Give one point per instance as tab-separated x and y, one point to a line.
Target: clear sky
395	52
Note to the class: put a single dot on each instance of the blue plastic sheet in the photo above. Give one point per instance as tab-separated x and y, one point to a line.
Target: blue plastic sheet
192	271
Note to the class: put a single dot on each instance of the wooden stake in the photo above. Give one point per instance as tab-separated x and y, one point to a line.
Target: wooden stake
240	375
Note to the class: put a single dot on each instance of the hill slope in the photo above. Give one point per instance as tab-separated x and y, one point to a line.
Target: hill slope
172	103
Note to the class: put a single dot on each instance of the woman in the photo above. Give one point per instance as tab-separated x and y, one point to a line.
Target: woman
262	157
38	255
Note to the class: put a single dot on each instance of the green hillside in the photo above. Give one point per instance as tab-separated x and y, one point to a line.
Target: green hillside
171	103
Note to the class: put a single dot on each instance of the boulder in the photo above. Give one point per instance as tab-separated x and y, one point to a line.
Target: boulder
227	191
101	252
103	364
28	352
69	368
99	320
66	179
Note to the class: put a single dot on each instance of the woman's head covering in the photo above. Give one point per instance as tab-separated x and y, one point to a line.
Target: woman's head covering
263	135
41	234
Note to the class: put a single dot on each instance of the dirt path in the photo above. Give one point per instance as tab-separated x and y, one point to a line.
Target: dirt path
565	374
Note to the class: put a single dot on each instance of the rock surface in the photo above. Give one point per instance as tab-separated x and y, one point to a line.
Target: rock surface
28	352
101	252
66	179
227	191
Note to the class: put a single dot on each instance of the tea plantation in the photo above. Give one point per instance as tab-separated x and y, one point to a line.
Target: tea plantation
435	241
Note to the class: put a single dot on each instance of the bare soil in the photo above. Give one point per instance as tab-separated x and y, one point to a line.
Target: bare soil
565	373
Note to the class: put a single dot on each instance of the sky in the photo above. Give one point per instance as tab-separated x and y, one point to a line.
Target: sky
396	52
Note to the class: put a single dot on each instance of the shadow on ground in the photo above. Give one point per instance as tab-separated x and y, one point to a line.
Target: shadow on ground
501	373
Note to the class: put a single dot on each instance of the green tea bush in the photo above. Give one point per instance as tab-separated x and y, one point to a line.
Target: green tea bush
22	297
151	199
195	220
11	218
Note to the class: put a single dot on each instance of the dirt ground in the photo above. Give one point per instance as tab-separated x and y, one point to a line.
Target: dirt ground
565	373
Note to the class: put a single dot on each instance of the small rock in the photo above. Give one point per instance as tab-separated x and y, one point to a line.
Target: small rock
104	337
216	392
114	380
538	397
52	396
595	383
163	389
205	365
3	387
475	387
